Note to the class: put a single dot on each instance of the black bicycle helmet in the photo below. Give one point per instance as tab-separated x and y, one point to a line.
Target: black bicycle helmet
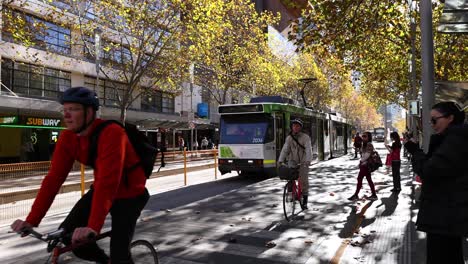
297	121
80	95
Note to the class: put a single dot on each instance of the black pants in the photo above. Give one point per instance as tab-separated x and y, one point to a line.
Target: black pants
124	212
356	151
396	164
444	249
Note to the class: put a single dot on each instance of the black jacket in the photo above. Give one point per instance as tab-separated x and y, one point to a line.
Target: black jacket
444	173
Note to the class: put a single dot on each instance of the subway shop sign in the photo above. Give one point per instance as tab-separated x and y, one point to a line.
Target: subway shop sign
49	122
26	121
8	120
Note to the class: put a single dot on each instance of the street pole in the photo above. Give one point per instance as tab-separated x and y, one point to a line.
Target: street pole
97	50
414	93
192	66
385	123
427	61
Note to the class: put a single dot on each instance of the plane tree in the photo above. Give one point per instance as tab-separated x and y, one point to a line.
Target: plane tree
375	38
227	40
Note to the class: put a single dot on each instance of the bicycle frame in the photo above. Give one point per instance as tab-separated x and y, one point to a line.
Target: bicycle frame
292	190
59	250
297	189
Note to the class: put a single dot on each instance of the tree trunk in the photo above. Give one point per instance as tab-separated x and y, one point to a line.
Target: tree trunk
123	114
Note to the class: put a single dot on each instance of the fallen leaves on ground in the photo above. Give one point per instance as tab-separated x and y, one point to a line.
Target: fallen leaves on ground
270	244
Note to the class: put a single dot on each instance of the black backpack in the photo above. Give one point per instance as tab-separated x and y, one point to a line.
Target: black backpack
144	149
374	162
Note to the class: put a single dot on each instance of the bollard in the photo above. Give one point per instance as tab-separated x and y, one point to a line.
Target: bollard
82	179
185	167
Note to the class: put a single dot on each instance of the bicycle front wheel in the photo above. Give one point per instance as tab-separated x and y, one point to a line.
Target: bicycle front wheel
289	201
143	252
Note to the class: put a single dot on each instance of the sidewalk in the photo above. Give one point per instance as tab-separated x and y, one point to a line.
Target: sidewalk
236	220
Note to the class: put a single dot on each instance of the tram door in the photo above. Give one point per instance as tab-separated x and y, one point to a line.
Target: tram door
279	133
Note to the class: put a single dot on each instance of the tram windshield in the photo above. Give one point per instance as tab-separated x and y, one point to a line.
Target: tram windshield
246	129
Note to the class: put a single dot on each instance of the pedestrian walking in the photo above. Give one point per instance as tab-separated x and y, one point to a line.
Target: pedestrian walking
394	157
181	143
357	145
210	144
366	150
297	150
443	212
204	143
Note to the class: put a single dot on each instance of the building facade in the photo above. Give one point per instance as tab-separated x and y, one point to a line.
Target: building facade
33	77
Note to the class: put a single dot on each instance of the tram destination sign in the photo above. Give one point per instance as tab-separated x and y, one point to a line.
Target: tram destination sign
253	108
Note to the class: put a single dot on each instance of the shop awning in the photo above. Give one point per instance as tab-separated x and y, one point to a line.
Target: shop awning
454	18
452	91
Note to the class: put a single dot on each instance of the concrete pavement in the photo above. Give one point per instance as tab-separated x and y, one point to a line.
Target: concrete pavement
235	220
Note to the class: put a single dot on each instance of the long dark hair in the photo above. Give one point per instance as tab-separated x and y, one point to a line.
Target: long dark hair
396	138
448	109
369	139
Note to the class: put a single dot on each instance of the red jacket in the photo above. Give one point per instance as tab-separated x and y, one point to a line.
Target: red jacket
115	153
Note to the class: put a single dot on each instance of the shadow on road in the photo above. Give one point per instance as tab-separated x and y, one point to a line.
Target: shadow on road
183	196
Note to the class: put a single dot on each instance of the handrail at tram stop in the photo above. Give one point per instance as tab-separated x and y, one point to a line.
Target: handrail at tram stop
185	152
211	151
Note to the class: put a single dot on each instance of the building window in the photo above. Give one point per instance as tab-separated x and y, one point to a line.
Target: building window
82	8
116	53
108	91
158	102
112	90
111	53
33	81
152	102
42	34
167	103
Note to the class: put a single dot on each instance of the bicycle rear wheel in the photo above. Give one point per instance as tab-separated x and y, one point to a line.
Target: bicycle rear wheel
289	201
143	252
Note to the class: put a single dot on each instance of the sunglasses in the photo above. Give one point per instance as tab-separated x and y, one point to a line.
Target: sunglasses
434	119
364	136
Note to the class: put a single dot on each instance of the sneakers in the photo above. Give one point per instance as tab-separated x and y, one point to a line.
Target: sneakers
372	197
353	198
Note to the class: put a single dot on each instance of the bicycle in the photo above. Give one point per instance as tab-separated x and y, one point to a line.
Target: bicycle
142	251
292	193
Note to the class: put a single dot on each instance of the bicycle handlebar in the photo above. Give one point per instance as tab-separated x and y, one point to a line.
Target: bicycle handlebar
46	237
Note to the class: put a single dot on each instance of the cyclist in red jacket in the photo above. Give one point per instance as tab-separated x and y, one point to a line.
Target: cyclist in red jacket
108	193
